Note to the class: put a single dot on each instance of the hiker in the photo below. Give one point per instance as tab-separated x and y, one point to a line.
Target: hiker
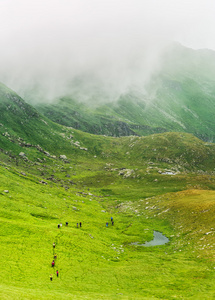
112	222
53	245
80	224
61	225
66	223
107	224
55	256
77	225
50	277
57	273
53	263
58	225
111	219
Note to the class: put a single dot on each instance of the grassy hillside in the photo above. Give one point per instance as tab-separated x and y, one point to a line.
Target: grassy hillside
179	97
99	262
163	182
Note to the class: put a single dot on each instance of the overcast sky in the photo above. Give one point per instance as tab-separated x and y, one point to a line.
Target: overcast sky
51	42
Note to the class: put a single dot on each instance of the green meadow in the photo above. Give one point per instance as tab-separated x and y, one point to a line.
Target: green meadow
96	261
52	174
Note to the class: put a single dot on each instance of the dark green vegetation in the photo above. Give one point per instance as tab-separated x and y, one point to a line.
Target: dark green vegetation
51	174
179	97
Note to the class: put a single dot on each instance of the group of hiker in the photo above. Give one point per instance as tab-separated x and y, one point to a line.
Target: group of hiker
112	222
53	263
78	225
55	255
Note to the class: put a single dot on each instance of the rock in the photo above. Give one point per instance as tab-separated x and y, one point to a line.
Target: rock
46	153
22	154
77	143
126	172
43	182
75	208
63	157
6	191
5	134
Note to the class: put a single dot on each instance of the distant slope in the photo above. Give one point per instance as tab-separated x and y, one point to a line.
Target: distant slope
180	97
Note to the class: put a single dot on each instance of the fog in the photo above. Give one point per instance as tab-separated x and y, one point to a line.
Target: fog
94	49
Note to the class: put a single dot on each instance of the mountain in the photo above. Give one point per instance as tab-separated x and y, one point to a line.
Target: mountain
178	97
51	174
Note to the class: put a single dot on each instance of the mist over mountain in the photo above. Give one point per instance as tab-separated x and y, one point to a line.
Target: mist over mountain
94	51
179	96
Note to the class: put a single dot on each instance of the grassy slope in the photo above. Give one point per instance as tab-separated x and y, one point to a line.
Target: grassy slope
89	267
95	261
105	266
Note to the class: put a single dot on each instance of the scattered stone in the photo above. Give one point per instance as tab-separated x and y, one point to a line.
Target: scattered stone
82	148
47	153
5	134
22	154
126	172
63	157
43	182
77	143
6	191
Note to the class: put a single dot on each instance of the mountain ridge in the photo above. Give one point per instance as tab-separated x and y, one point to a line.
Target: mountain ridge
179	97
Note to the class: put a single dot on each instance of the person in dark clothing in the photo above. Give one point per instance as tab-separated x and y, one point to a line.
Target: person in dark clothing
107	224
55	256
50	277
77	225
112	222
57	273
58	225
66	223
53	245
80	224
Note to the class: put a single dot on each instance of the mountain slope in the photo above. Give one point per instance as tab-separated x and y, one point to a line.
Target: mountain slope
145	183
179	97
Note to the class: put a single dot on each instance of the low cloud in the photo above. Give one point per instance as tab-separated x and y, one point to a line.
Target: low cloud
88	49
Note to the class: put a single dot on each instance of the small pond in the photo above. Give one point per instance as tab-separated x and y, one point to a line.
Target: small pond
159	239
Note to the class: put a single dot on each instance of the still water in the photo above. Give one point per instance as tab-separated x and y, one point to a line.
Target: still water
159	239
